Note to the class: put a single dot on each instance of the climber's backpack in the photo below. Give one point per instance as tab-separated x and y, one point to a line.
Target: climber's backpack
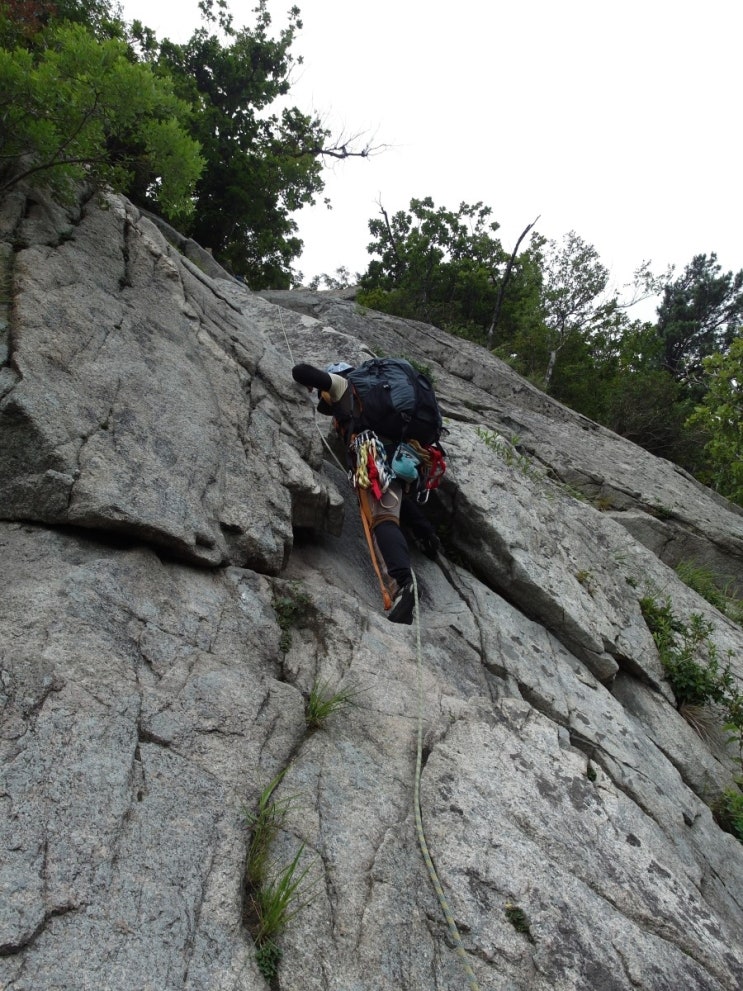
396	401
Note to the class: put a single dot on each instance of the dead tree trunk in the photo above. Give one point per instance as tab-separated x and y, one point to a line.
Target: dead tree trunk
504	282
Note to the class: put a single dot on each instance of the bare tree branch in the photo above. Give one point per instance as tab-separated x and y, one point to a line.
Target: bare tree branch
391	236
83	160
341	147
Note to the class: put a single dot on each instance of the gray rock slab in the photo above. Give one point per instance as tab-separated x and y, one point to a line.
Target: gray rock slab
163	484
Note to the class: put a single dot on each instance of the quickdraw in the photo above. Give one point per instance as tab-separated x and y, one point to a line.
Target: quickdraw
437	468
432	471
371	471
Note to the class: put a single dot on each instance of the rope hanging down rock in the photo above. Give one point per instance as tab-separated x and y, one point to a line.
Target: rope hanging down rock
453	930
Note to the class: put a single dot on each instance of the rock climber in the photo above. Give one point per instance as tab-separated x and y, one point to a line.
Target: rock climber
393	509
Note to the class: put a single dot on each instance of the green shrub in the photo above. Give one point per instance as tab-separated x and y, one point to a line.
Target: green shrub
729	812
268	957
291	608
698	680
693	681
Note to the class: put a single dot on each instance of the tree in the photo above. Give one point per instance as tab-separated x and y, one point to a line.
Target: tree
574	303
504	283
442	266
659	375
698	316
260	166
23	21
69	102
721	416
212	95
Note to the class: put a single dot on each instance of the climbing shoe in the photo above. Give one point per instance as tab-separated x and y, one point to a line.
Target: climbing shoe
402	607
311	377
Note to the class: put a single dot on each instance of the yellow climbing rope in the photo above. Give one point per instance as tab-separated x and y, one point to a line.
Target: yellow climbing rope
454	932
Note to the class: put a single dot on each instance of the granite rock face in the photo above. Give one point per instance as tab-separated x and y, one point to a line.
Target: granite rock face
164	487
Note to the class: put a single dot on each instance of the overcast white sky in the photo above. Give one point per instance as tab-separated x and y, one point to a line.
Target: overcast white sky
619	120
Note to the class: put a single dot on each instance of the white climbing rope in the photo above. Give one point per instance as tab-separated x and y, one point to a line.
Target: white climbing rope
323	438
422	842
453	930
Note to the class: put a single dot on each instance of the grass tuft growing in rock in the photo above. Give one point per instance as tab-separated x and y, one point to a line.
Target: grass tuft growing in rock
273	894
715	590
322	702
728	810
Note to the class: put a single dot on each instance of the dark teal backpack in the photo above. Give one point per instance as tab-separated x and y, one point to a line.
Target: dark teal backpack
396	401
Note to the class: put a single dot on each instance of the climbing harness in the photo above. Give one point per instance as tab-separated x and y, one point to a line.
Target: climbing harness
453	930
371	478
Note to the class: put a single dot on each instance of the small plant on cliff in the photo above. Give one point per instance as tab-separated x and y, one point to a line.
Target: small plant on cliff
277	901
273	905
273	895
707	584
322	702
698	680
264	825
517	917
689	656
729	810
291	607
423	369
507	451
585	578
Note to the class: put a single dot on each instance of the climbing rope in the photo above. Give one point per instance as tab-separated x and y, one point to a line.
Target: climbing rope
453	930
286	337
323	438
422	842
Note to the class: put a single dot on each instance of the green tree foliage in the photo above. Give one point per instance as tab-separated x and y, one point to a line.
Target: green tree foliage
70	100
638	398
22	21
569	344
204	108
615	376
261	166
576	308
659	379
698	315
721	416
441	266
